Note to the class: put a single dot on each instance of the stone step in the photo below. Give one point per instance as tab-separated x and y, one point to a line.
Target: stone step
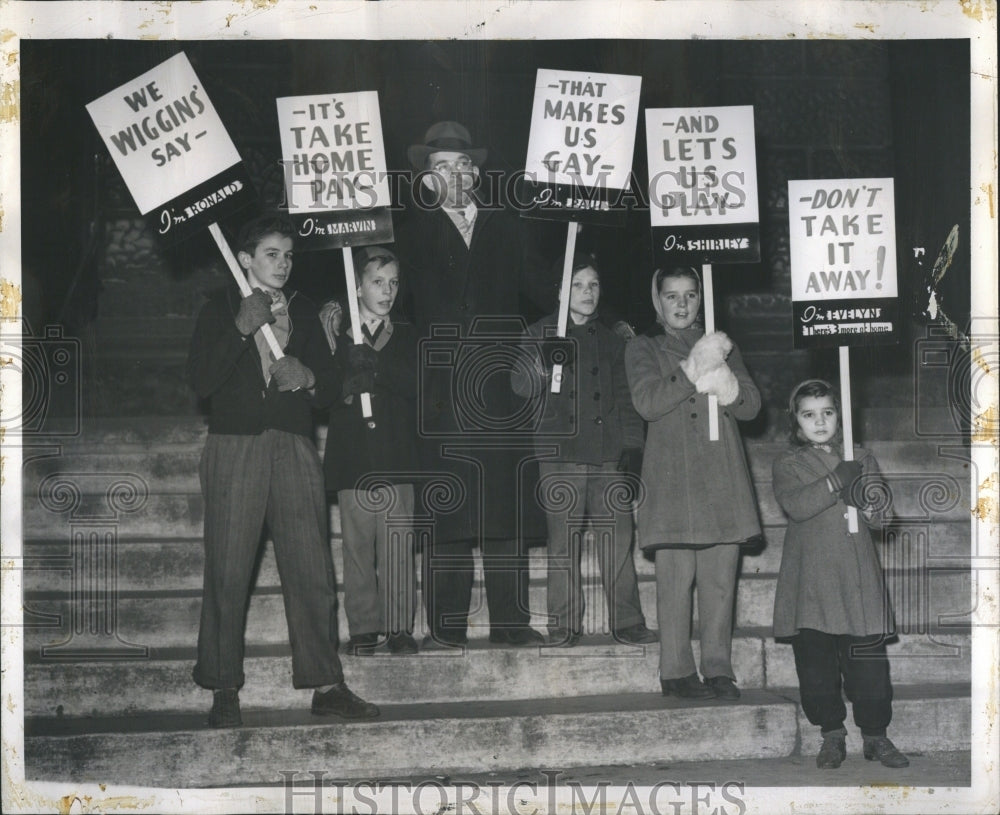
177	564
921	599
598	665
127	505
928	424
179	751
172	467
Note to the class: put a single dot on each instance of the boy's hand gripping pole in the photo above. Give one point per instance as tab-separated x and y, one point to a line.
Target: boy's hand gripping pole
567	279
245	289
846	424
352	304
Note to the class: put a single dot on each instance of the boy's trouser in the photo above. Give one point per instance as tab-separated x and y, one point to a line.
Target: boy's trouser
823	660
380	583
570	494
274	476
714	570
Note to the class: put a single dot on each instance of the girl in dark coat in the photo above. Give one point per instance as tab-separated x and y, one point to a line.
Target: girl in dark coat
830	599
699	503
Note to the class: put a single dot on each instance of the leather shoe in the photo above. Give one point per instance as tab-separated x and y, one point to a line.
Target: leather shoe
340	701
724	688
636	634
563	638
517	637
833	751
687	687
402	643
361	645
225	710
879	747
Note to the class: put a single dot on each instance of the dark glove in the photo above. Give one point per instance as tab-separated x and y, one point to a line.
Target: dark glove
361	358
843	477
631	461
291	375
363	382
255	311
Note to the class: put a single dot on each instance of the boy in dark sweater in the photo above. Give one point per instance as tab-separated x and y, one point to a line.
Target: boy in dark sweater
260	465
370	462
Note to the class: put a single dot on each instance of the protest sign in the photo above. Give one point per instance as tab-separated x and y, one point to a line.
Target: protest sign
703	185
172	149
842	246
580	146
336	178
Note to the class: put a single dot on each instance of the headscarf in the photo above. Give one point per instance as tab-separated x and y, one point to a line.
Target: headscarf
697	324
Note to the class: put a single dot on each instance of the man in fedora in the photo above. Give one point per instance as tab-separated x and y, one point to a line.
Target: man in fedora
470	266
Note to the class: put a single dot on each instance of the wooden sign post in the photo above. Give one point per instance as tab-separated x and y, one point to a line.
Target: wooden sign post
703	196
579	160
336	180
842	246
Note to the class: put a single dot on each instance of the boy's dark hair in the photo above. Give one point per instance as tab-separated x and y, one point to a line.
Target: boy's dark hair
581	260
253	232
677	271
816	388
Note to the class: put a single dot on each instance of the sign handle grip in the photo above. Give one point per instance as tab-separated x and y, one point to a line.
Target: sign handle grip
567	279
847	424
713	401
352	304
241	281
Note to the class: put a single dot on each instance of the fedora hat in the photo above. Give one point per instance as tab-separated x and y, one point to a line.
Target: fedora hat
445	136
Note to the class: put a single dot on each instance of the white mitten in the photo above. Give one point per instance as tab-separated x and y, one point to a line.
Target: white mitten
721	382
709	352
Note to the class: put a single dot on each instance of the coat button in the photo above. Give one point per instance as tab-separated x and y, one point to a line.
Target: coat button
598	420
371	424
691	400
694	415
673	379
595	370
571	394
591	330
597	396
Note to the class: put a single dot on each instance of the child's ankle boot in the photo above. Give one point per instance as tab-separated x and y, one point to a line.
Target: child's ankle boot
834	749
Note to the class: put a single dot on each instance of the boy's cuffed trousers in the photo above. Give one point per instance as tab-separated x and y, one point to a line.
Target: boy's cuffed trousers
380	582
713	569
247	480
826	662
592	489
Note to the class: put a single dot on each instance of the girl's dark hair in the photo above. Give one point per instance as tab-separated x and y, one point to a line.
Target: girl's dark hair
677	271
816	388
253	232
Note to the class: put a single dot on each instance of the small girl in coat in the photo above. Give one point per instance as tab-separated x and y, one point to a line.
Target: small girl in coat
830	600
699	503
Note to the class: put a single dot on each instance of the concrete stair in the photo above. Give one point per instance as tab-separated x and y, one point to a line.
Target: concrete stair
117	703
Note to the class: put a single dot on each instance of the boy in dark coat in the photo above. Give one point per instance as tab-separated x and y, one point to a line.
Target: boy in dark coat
588	434
260	465
371	462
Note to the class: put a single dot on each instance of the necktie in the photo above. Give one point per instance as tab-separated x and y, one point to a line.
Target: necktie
465	227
